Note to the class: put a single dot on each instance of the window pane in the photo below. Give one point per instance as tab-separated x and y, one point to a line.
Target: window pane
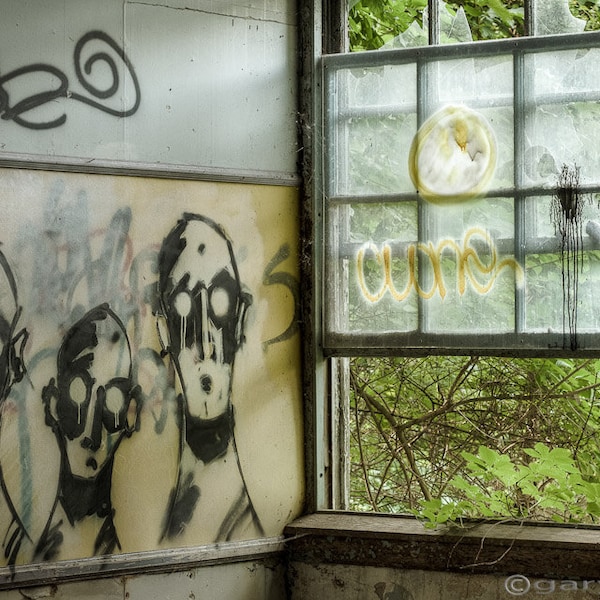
563	118
362	269
547	293
471	268
492	20
371	124
476	437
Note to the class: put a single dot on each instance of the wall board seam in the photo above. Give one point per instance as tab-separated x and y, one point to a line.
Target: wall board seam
93	167
159	561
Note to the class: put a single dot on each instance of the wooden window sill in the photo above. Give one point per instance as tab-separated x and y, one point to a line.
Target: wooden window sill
536	550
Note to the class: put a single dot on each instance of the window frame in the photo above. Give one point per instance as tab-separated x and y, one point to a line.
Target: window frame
324	533
419	342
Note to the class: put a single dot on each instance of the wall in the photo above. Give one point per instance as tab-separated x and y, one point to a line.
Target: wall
372	583
149	296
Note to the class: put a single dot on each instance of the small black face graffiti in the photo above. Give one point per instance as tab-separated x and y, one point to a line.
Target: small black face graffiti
92	398
82	401
204	308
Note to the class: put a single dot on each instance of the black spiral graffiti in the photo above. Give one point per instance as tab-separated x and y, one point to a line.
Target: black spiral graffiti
83	71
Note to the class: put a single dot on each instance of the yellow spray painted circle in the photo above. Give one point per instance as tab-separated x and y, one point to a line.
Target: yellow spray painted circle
453	155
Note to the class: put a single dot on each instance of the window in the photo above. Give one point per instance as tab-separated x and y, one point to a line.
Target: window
462	258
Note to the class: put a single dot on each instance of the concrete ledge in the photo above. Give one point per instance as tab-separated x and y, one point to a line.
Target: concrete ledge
534	550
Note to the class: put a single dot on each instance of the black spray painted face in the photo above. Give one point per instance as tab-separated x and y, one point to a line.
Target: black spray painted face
93	391
11	346
204	307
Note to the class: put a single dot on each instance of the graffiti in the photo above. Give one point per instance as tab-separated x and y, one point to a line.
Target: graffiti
469	266
18	111
12	371
91	405
202	313
453	155
132	340
289	281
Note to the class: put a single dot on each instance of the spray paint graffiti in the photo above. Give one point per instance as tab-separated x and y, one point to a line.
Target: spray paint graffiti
91	405
202	314
469	266
272	277
99	371
12	371
109	53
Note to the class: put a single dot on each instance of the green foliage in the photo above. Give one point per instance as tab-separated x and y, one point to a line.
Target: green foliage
453	437
497	487
373	23
587	10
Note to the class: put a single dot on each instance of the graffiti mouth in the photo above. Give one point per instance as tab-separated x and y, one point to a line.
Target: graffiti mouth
206	383
91	462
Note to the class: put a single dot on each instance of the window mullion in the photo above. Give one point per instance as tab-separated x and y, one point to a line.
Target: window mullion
433	25
519	149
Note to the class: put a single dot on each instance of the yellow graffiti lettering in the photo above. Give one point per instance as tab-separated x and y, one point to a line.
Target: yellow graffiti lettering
470	268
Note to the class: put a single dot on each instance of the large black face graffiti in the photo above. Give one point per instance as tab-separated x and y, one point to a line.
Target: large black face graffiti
91	405
203	307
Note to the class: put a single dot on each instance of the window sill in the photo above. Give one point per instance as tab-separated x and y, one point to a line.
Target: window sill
536	550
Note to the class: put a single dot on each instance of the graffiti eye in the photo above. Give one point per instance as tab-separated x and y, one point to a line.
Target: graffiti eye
183	304
220	302
78	391
115	400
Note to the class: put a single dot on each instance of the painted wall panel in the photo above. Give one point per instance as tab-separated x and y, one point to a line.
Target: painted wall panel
150	364
370	583
202	85
242	581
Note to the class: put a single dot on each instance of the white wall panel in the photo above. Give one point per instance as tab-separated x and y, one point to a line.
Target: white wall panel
216	84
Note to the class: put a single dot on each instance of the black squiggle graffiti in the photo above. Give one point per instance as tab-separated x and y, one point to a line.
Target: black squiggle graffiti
83	71
289	281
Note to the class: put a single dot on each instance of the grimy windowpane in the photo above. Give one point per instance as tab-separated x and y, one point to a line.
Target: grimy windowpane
445	438
475	145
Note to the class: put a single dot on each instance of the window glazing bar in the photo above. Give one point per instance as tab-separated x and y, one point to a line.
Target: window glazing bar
545	43
519	206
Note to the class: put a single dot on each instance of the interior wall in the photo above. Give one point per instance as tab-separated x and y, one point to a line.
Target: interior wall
334	581
242	581
150	359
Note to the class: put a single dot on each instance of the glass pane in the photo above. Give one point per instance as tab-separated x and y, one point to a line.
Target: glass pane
562	16
485	86
374	265
553	289
563	119
469	263
372	123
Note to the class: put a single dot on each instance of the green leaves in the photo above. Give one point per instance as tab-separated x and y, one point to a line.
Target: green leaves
499	488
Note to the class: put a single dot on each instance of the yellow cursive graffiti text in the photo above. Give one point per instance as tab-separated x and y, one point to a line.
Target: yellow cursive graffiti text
469	267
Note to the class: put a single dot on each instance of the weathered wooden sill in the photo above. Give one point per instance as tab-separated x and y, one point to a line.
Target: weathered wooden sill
534	550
